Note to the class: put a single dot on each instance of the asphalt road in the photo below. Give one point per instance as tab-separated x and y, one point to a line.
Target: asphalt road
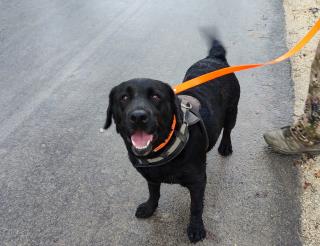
64	183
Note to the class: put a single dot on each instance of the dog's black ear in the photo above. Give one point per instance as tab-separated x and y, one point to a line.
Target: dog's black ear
175	105
108	122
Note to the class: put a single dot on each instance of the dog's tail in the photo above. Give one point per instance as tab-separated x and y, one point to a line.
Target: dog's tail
217	49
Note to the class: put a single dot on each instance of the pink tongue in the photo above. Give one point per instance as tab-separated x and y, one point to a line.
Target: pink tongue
140	139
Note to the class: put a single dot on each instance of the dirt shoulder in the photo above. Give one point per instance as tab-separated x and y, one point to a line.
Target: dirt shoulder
300	16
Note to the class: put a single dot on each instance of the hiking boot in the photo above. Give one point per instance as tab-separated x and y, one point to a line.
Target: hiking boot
284	142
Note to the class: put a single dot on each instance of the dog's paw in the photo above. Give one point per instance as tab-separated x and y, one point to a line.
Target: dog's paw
145	210
225	149
196	233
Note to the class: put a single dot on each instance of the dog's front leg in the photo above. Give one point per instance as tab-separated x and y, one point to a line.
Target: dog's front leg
147	208
196	230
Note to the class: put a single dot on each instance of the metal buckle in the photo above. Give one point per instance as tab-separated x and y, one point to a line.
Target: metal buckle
187	105
185	108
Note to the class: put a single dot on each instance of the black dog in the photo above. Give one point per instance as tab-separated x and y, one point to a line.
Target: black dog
167	137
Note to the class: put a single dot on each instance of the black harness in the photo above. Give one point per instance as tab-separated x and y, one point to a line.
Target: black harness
190	108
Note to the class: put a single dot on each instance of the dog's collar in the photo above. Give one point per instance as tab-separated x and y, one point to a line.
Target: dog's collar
163	144
181	137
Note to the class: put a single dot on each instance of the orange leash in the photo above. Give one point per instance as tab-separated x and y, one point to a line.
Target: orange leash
224	71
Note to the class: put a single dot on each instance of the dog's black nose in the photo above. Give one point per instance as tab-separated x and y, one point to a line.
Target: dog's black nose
139	116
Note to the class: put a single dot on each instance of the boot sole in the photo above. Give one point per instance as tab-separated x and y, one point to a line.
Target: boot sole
313	152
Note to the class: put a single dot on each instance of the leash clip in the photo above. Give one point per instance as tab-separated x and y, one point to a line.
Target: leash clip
185	108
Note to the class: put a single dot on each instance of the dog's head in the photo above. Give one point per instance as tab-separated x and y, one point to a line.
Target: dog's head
143	111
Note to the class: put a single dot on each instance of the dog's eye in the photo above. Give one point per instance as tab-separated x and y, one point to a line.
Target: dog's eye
124	98
155	97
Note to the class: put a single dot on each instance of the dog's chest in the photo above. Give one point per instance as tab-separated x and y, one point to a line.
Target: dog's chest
159	175
171	179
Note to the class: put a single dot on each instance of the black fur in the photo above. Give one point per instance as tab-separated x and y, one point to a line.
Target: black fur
219	101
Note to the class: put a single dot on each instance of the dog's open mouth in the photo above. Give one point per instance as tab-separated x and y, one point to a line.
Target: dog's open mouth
141	142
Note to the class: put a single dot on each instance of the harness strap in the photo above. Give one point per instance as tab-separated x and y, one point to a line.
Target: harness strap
193	116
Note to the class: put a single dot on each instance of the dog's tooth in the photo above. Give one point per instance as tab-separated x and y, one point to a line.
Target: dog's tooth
101	130
143	147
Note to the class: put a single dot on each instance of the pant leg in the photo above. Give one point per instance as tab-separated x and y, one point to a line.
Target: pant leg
307	128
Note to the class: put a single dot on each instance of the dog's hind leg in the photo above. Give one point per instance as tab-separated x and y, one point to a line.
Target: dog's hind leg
225	147
146	209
